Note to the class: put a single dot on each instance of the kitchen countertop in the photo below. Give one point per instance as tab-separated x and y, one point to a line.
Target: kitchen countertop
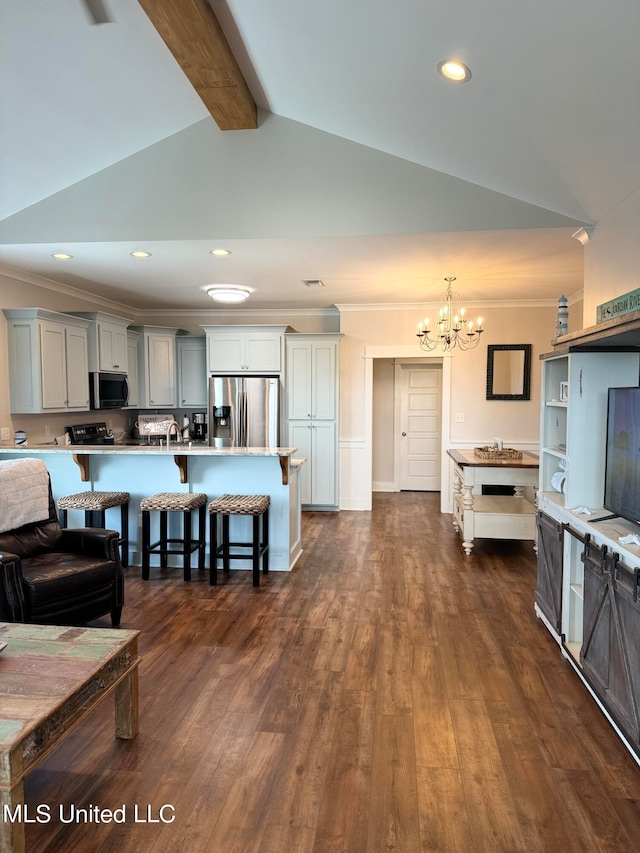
179	448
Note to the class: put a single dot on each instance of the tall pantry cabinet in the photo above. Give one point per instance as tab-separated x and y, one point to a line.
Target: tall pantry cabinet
312	371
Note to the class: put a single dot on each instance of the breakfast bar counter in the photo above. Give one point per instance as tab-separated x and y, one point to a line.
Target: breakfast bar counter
145	469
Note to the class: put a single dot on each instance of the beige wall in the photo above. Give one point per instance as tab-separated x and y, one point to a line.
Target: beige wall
514	422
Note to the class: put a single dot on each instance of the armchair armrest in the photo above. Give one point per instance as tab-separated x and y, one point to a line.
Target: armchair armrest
12	608
95	542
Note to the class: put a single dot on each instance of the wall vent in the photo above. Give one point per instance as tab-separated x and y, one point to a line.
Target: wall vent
313	282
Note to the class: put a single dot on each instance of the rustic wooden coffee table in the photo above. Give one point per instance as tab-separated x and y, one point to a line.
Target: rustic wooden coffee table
50	678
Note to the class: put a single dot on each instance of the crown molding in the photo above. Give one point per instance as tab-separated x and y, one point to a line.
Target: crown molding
420	306
67	289
213	313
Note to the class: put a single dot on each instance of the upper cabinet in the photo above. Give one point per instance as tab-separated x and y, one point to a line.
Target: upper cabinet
134	344
244	349
192	372
158	385
48	361
107	335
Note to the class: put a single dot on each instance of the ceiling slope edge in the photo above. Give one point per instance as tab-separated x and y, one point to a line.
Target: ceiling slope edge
284	180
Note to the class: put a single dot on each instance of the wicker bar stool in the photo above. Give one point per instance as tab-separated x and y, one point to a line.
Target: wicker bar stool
164	503
225	506
95	505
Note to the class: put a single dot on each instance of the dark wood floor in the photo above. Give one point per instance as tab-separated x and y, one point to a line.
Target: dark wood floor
389	694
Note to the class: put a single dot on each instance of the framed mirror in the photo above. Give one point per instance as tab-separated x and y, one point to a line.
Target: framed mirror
508	372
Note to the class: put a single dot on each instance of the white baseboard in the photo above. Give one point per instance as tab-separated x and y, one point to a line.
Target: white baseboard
384	487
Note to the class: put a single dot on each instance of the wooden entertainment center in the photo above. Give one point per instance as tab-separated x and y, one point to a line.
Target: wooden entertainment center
588	581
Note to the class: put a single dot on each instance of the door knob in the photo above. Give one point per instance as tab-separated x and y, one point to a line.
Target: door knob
404	433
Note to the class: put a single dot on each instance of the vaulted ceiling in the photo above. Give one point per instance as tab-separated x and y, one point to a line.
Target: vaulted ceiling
366	169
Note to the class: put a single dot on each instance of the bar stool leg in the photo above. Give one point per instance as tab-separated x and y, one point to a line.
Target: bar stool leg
163	538
62	517
256	550
213	549
124	534
202	535
146	540
186	543
265	542
225	544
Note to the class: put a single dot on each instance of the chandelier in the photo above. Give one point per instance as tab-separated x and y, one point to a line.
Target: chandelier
451	328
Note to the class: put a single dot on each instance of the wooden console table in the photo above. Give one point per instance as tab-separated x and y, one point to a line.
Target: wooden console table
50	678
479	516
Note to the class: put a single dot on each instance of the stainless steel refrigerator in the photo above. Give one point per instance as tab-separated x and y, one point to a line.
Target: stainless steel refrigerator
243	411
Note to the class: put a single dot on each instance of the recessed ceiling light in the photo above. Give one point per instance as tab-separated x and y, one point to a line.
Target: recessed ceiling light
61	256
228	292
220	253
140	254
452	69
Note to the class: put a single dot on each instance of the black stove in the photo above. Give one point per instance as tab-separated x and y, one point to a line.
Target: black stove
87	433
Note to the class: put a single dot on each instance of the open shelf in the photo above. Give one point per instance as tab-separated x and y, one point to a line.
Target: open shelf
557	404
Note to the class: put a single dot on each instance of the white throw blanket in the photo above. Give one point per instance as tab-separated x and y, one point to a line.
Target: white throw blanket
24	493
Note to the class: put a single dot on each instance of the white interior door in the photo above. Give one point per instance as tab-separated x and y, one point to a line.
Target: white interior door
420	423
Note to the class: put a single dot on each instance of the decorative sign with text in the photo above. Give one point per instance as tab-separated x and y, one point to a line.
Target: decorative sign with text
620	305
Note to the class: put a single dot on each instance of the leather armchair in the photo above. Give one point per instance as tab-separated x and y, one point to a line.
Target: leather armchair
52	576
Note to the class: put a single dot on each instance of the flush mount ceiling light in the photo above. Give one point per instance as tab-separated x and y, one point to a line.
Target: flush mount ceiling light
220	253
452	69
228	293
61	256
138	254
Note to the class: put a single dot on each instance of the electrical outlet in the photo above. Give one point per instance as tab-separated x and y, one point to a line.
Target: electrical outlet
47	429
459	417
5	434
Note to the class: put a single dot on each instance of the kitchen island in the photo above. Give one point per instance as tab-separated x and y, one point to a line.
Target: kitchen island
144	469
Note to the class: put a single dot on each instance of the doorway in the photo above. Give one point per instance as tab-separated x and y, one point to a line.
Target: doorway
358	461
418	404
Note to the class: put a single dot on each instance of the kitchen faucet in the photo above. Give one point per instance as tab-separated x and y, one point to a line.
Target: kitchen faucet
171	426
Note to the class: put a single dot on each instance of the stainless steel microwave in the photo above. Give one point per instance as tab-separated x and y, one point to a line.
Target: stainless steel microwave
108	390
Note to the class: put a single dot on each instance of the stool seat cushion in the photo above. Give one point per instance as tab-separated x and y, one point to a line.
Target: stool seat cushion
173	501
93	501
240	504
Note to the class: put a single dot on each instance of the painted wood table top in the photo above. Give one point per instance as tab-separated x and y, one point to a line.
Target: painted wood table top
50	678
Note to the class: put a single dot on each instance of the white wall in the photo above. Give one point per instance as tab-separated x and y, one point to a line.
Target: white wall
612	257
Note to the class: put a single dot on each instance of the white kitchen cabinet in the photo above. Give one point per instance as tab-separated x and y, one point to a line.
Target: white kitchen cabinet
316	442
311	381
107	335
134	342
158	375
48	361
244	349
192	372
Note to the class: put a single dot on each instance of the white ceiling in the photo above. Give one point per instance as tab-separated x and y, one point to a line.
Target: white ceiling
368	170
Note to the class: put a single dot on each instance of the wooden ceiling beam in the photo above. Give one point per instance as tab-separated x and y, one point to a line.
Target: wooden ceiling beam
192	33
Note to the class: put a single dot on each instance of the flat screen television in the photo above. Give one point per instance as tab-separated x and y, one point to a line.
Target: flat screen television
622	469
